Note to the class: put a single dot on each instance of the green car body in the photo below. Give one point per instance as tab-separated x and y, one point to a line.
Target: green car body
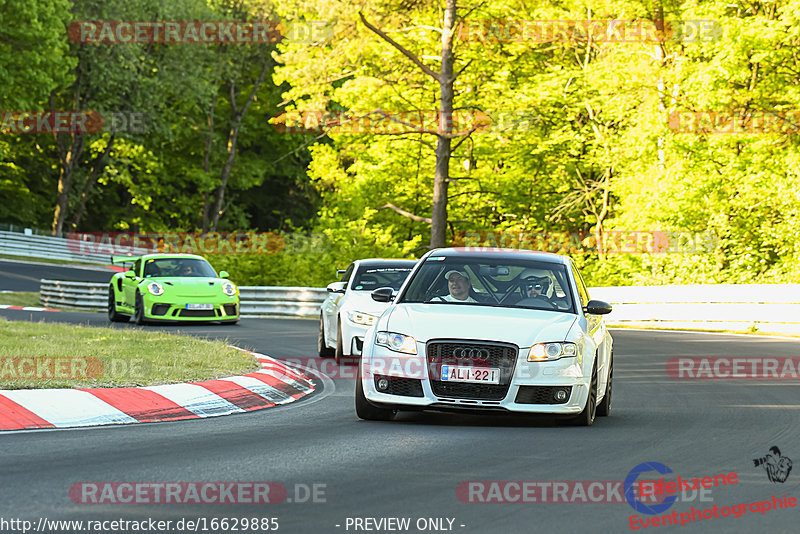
171	287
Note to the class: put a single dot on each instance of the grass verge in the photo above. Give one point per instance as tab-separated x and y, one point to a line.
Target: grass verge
20	298
53	355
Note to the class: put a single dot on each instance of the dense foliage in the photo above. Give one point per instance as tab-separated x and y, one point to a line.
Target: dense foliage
563	133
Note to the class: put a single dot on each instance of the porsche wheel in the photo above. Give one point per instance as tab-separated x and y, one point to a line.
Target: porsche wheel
367	411
138	316
586	417
322	348
113	315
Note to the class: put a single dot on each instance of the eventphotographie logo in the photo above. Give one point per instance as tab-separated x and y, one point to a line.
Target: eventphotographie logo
777	466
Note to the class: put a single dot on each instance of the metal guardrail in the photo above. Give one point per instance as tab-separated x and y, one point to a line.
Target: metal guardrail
767	308
40	246
59	248
255	301
754	307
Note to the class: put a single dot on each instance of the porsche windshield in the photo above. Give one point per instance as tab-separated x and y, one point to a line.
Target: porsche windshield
521	284
194	267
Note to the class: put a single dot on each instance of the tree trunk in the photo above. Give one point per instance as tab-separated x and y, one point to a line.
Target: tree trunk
233	135
442	174
97	169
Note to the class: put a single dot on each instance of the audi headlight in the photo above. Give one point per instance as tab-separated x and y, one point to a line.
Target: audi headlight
229	289
155	288
361	318
397	342
542	352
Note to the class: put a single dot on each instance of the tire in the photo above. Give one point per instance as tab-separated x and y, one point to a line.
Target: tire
367	411
113	315
604	408
138	316
322	349
339	355
586	417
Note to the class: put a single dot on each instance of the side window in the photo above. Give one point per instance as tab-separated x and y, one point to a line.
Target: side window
583	293
137	267
348	274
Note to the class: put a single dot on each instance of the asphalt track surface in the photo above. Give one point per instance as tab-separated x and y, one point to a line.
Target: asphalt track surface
411	467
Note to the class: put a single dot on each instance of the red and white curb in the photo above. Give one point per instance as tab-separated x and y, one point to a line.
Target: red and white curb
26	308
274	384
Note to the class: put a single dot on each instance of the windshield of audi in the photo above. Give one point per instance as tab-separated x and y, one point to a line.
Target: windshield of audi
487	282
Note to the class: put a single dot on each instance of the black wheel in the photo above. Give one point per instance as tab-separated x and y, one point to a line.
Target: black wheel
138	315
113	315
604	408
323	349
367	411
339	356
586	417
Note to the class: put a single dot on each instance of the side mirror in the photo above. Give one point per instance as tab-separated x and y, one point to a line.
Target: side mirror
383	294
336	287
597	307
130	274
223	274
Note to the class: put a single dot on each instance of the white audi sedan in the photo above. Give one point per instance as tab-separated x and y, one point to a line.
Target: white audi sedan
349	310
500	330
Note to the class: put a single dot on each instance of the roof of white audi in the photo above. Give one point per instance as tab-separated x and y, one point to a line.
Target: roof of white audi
499	254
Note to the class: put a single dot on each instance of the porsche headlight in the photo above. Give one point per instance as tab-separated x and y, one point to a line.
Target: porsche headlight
397	342
155	288
542	352
229	289
361	318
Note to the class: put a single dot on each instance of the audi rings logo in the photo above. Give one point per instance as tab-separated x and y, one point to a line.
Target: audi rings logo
467	352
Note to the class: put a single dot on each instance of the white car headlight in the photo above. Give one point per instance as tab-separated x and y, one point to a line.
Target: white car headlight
542	352
397	342
361	318
155	288
229	289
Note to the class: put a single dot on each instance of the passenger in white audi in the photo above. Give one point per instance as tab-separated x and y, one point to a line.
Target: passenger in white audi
525	339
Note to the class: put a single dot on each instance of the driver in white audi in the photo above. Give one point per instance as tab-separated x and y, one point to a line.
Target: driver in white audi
458	284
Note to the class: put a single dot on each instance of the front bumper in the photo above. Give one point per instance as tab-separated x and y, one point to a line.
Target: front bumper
177	311
530	387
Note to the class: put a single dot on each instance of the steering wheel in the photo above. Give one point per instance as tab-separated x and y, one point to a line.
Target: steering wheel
537	302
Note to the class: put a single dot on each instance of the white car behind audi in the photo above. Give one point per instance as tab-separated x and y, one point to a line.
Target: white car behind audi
501	330
349	310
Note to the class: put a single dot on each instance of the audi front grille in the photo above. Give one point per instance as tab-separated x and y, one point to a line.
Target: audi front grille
502	356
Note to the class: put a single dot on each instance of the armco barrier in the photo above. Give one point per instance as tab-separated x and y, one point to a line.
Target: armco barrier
754	307
765	308
40	246
254	301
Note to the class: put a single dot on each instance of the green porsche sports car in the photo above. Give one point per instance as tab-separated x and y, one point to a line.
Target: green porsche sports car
171	287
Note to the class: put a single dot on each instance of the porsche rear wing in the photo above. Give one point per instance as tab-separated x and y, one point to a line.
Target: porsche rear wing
124	259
